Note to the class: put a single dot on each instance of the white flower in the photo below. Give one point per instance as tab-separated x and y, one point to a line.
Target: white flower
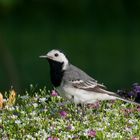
35	105
100	129
131	121
24	97
10	108
42	133
13	117
33	113
22	112
128	129
115	135
30	137
17	121
42	99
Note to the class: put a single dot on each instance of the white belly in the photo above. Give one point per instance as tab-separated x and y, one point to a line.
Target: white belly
82	96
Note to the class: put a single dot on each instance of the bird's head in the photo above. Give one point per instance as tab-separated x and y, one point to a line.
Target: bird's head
57	56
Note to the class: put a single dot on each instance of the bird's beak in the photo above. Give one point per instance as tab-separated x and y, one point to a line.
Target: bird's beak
43	56
46	56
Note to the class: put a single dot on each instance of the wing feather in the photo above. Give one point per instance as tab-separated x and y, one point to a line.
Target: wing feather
88	85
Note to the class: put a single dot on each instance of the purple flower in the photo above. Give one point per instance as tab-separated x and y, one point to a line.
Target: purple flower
134	93
131	94
69	127
54	93
136	87
91	133
63	114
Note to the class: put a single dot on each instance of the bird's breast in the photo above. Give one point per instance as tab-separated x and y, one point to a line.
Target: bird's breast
56	72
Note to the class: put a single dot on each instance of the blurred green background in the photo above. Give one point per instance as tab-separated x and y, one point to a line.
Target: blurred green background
100	36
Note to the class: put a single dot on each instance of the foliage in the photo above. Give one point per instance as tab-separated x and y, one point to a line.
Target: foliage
43	116
101	37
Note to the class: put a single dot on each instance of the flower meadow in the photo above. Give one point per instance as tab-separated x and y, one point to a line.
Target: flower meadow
43	116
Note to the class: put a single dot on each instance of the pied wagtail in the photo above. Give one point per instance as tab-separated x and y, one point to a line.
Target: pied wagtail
74	84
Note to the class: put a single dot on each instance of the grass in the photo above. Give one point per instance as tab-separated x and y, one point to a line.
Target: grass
40	116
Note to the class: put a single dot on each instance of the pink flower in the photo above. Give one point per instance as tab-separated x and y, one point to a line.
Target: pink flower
54	93
91	133
138	109
63	114
52	138
94	106
127	111
134	138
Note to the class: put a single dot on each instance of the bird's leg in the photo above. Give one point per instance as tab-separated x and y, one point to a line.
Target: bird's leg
77	106
81	110
66	102
72	98
82	107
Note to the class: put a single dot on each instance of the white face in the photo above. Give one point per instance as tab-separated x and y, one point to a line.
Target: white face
58	56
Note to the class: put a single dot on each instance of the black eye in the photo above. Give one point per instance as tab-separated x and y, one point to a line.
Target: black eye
56	54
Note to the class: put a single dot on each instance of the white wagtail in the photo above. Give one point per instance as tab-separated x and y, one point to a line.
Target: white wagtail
74	84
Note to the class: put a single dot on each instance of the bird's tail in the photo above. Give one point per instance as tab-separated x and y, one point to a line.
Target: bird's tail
120	98
128	101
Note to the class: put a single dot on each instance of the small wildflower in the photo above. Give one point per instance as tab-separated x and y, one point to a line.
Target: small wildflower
138	109
63	114
12	98
42	99
53	138
54	93
70	127
17	121
10	108
131	121
127	111
13	117
134	138
136	87
95	105
29	137
35	105
24	97
91	133
131	94
1	101
134	93
128	129
33	113
122	93
112	101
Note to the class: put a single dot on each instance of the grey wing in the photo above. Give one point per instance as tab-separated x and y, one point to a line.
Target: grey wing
79	79
88	85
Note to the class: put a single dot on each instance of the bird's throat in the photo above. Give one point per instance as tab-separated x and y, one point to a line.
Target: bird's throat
56	72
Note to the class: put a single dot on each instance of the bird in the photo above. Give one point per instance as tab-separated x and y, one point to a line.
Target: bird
74	84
